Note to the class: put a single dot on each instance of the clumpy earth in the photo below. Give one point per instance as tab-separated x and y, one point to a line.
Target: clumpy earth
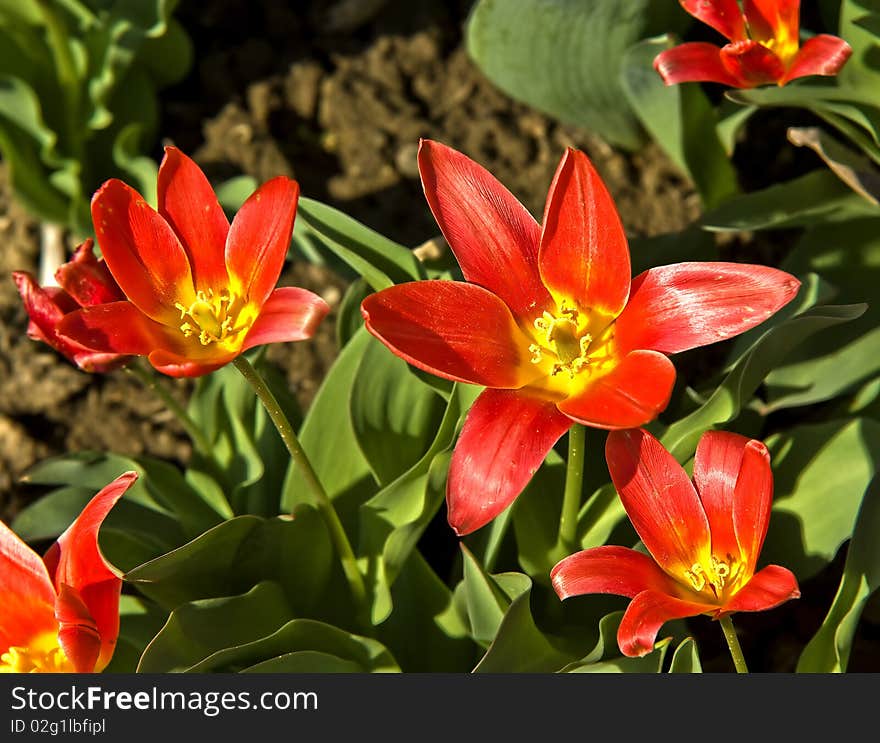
338	98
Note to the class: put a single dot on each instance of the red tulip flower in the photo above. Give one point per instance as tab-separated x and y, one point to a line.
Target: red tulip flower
82	282
61	612
549	321
764	46
198	290
704	537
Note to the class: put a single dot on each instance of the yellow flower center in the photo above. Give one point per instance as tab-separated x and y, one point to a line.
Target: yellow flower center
214	318
43	655
716	578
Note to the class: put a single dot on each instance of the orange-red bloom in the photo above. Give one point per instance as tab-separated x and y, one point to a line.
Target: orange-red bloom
61	613
704	537
550	321
82	282
764	46
199	290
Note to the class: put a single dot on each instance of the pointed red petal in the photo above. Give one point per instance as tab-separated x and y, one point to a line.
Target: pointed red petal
695	61
119	327
659	499
87	279
289	314
77	632
452	329
26	593
777	20
260	237
609	569
752	64
188	203
632	394
685	305
753	501
820	55
584	254
493	236
724	16
503	442
768	588
75	560
646	614
716	468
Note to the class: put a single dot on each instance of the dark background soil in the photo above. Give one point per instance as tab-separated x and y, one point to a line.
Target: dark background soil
273	92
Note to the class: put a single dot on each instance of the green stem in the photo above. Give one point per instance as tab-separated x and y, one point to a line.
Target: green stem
322	500
574	482
736	652
189	425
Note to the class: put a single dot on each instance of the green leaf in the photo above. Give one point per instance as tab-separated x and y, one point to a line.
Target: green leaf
820	473
861	71
139	622
562	57
829	649
686	658
349	319
681	120
380	261
393	413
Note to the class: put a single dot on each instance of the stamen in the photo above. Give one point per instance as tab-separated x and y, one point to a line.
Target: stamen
213	316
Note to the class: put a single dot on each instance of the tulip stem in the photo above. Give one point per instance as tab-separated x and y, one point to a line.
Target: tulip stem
574	482
325	505
736	652
189	425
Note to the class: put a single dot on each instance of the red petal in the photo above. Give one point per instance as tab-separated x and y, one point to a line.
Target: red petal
716	468
659	499
87	279
289	314
768	588
503	442
686	305
493	236
141	251
44	312
455	330
608	569
724	16
646	614
176	365
752	64
260	237
119	327
584	254
75	560
26	593
820	55
695	61
77	632
776	20
753	500
632	394
188	203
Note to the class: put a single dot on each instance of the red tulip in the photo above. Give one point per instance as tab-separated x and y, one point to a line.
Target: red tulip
82	282
704	537
198	290
61	612
549	321
764	46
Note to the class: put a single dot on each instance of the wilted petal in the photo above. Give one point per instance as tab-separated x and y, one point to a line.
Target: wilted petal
632	394
452	329
659	499
685	305
492	235
503	442
609	569
584	253
289	314
646	614
188	203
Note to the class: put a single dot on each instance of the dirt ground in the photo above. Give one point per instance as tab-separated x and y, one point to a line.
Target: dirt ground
272	92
